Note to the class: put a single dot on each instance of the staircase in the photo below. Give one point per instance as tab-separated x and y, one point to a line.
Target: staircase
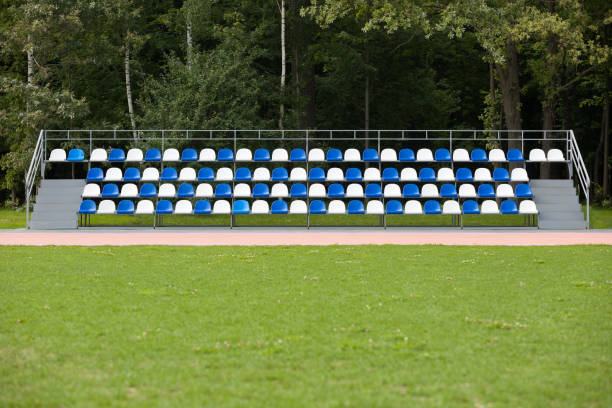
57	204
558	204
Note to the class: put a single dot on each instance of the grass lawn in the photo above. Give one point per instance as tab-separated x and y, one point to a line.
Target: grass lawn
11	219
364	326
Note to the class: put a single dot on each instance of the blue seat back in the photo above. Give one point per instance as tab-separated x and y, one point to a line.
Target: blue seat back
298	190
394	207
148	190
169	174
335	190
189	155
164	207
125	207
280	174
95	174
110	190
508	207
334	155
501	174
279	207
411	190
75	155
131	174
470	207
241	207
261	154
515	155
316	174
390	174
432	207
523	191
464	174
370	155
261	190
317	207
185	190
153	155
225	154
407	155
442	155
448	190
356	207
223	190
486	191
202	207
373	190
297	155
353	174
479	155
87	207
243	174
427	174
116	155
206	174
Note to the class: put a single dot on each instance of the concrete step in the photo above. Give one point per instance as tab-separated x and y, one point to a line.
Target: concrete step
551	183
46	216
555	199
62	181
553	190
44	199
544	207
562	224
562	215
70	192
55	206
62	224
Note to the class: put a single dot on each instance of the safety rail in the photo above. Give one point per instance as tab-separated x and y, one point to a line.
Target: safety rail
583	176
36	164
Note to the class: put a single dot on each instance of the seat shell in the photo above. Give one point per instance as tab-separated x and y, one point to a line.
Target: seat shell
448	191
375	207
241	190
167	190
519	174
206	174
464	174
261	154
413	207
241	206
224	154
298	190
316	190
171	155
317	207
411	191
407	155
409	174
125	207
144	207
87	207
528	207
153	155
489	207
371	174
185	190
445	174
207	155
221	207
461	155
75	155
497	156
91	190
134	155
523	191
316	155
106	207
132	174
260	207
432	207
189	155
486	191
336	207
555	155
58	155
429	190
515	155
470	207
280	155
148	190
224	190
116	155
424	155
202	207
501	174
279	190
442	155
508	207
504	191
354	190
335	174
394	207
298	174
482	174
164	207
183	207
298	155
261	190
467	191
334	155
479	155
280	174
169	174
113	174
205	190
451	207
335	190
537	155
355	207
392	191
224	174
353	174
129	190
388	155
98	155
187	174
390	174
244	155
370	155
316	174
243	174
373	191
427	174
352	155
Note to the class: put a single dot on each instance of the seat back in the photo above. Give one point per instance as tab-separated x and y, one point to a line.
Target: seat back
504	190
390	174
497	155
467	190
335	190
464	174
388	155
95	174
131	174
413	207
280	174
427	174
461	155
91	190
148	190
224	154
489	207
167	190
370	155
316	155
225	174
279	207
523	191
353	174
241	207
87	207
134	155
242	190
334	155
98	155
224	190
442	155
125	207
470	207
260	207
243	174
206	174
429	190
371	174
153	155
335	174
411	190
189	155
356	207
171	155
317	207
424	155
221	207
187	174
392	190
110	190
144	207
185	190
106	207
57	155
316	190
261	154
261	190
280	155
169	174
244	155
446	174
298	174
163	207
202	207
279	190
298	190
129	190
409	174
298	155
479	155
432	207
354	190
316	174
515	155
183	207
116	155
501	174
207	155
407	155
76	155
448	190
508	207
451	207
482	174
373	190
537	155
375	207
204	190
486	190
394	207
352	155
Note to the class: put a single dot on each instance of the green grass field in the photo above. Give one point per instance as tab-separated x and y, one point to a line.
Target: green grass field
331	326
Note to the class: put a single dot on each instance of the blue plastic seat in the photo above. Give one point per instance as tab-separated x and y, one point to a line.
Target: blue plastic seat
164	207
523	191
279	207
501	174
298	190
411	190
432	207
110	190
148	190
75	155
427	174
225	155
448	191
335	190
316	174
241	207
280	174
87	207
242	174
370	155
202	207
116	155
390	174
508	207
356	207
442	155
131	174
407	155
125	207
153	155
261	154
486	191
95	174
169	174
353	174
317	207
297	155
206	174
373	190
261	190
189	155
464	174
515	155
394	207
470	207
185	190
223	190
479	155
334	155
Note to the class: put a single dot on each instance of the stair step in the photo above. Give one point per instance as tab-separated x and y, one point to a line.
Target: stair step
551	183
62	224
562	224
54	206
555	199
554	190
545	207
47	216
561	215
57	199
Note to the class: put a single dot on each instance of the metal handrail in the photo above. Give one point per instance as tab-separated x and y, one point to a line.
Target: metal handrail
581	171
30	180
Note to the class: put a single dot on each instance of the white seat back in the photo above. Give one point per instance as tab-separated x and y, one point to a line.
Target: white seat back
461	155
451	207
467	191
134	155
354	190
316	190
316	155
537	155
392	190
207	155
489	207
150	174
144	207
413	207
129	190
336	207
409	174
371	174
497	155
241	190
171	155
98	155
244	155
279	190
106	207
446	174
555	155
298	174
388	155
57	155
167	190
187	174
504	191
482	174
429	190
261	174
424	155
113	174
183	207
519	174
280	155
225	174
260	207
205	190
527	207
375	207
335	174
221	207
352	155
91	190
298	207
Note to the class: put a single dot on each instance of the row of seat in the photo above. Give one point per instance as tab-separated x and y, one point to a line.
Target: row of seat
389	174
450	207
314	155
315	190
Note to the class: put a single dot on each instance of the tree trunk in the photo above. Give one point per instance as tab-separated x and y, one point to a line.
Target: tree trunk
548	120
511	95
128	90
606	132
283	66
310	92
30	61
189	43
550	99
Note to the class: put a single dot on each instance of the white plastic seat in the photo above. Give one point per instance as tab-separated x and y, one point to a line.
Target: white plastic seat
144	207
446	174
150	174
57	155
183	207
451	207
204	190
482	174
489	207
279	190
240	190
375	207
187	174
497	155
527	207
260	207
91	190
261	174
371	174
224	174
413	207
354	190
207	155
504	191
106	207
316	155
113	174
298	207
352	155
243	155
467	191
409	174
388	155
316	190
280	155
519	174
167	190
298	174
134	155
429	190
129	190
555	155
336	207
537	155
335	174
221	207
424	155
98	155
392	191
171	155
461	155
